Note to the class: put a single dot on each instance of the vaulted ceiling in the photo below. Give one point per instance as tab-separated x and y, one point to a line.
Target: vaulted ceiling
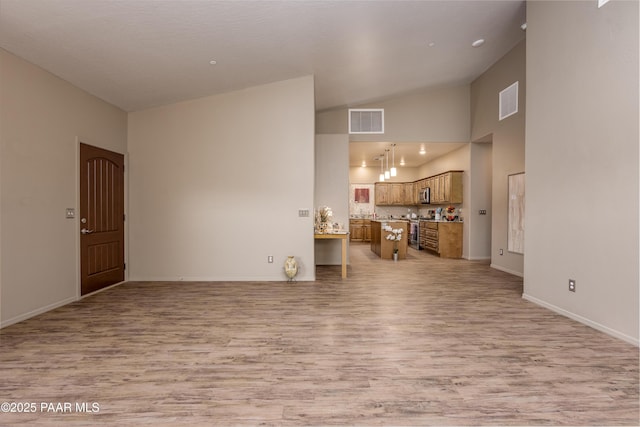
138	54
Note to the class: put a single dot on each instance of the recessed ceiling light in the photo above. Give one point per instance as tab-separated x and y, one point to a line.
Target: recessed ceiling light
431	44
213	62
478	43
402	162
364	164
422	150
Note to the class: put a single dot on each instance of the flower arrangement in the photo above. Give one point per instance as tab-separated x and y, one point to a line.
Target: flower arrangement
451	213
323	219
325	213
395	235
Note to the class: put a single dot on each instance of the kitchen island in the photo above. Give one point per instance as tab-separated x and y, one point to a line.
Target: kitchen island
383	247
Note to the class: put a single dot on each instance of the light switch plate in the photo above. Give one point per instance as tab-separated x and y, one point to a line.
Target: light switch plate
70	213
303	212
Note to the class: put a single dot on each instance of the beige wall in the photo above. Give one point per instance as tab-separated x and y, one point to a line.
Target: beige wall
480	198
454	160
508	145
332	189
41	119
216	184
371	174
434	115
582	162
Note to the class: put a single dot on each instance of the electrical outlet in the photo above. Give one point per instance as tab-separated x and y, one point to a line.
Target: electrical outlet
572	285
501	252
270	259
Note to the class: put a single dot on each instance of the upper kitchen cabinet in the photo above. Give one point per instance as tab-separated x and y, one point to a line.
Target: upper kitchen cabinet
397	193
448	188
410	195
388	193
383	193
445	188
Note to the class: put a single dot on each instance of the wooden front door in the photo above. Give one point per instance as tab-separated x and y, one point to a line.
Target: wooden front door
101	218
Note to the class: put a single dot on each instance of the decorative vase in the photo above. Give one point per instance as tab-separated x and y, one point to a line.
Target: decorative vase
291	267
395	256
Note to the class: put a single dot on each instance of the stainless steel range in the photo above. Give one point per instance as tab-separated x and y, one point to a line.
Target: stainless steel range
414	234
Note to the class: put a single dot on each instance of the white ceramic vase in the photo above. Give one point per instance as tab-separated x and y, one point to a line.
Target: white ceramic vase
291	267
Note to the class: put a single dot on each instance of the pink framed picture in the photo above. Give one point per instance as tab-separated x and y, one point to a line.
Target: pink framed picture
362	195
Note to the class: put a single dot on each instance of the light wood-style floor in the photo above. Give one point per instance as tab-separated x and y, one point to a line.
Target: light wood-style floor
424	341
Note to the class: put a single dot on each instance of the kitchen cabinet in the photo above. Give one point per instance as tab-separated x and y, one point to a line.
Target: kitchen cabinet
355	230
446	188
397	193
410	194
382	191
436	190
360	230
419	185
453	187
429	235
390	193
444	238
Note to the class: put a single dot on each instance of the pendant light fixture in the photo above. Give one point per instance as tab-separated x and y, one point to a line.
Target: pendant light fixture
387	174
394	171
381	178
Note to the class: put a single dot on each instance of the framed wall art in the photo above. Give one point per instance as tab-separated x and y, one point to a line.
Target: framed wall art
515	234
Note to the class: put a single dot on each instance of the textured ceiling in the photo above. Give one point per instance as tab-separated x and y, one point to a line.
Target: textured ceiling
138	54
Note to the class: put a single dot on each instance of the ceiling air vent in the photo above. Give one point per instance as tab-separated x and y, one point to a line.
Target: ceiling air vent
366	120
508	101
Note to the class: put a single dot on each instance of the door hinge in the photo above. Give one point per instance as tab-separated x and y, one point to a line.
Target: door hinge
124	217
125	265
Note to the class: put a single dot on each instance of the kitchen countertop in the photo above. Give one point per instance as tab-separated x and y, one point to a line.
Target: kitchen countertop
405	219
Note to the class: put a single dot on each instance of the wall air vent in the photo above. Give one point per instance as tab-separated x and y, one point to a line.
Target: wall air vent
366	120
508	101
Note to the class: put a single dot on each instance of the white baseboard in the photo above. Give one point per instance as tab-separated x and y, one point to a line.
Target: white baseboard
50	307
282	278
479	258
583	320
36	312
506	270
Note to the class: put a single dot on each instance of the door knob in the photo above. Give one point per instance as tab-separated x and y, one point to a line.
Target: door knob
85	231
